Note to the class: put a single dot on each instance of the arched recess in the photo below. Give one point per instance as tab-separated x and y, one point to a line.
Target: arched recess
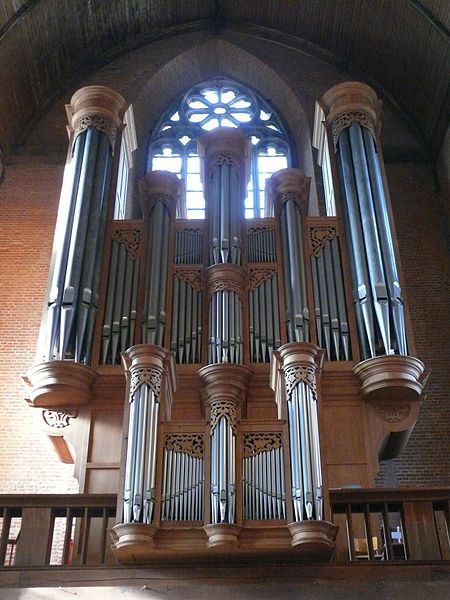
215	58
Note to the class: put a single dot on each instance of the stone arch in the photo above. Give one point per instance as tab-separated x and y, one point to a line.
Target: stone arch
210	59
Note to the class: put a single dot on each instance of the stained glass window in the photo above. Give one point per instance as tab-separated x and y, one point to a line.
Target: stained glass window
220	103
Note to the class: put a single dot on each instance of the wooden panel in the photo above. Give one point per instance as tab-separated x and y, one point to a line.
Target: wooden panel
106	437
343	434
422	542
34	540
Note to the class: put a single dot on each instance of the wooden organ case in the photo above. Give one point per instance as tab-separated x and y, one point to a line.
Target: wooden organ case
266	360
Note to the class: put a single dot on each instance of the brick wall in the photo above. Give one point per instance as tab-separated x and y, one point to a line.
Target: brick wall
29	197
421	230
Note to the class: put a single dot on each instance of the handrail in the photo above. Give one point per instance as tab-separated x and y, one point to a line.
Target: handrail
391	524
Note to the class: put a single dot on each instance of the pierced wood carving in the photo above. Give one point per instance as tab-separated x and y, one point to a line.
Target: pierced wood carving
295	375
145	376
58	419
131	238
254	443
189	443
319	234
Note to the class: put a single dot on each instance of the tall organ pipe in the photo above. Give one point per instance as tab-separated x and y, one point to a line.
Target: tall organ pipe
75	278
290	192
159	190
352	113
149	375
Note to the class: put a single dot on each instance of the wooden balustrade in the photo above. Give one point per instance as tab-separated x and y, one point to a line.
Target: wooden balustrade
391	525
39	530
377	525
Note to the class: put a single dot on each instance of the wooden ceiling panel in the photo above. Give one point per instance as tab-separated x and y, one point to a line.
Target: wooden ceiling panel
401	47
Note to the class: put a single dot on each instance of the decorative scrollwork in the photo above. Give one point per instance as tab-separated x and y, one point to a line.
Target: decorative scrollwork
189	443
294	375
223	408
346	119
58	419
258	275
224	158
145	376
191	276
255	229
319	234
100	123
392	414
254	443
131	238
224	284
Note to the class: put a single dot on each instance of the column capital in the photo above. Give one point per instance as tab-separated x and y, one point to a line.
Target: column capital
159	186
289	184
348	102
153	366
224	389
225	145
97	106
225	276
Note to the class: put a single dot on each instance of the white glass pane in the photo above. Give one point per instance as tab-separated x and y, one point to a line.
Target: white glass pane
220	110
273	127
175	116
270	164
210	124
249	213
193	164
195	214
248	202
167	163
227	123
264	116
185	139
195	200
240	104
193	182
227	96
211	95
255	139
197	104
243	117
197	117
165	127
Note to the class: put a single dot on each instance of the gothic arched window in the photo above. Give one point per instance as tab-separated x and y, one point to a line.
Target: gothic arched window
219	103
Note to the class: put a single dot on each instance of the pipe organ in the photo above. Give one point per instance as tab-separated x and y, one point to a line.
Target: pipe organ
237	336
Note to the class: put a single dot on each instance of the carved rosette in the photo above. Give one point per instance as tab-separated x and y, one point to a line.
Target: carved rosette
350	102
96	106
159	186
225	276
289	184
225	146
152	366
319	235
58	419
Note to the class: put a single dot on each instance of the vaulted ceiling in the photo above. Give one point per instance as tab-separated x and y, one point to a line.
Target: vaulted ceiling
400	47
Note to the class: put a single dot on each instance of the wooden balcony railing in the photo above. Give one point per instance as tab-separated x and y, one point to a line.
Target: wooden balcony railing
38	530
391	525
374	525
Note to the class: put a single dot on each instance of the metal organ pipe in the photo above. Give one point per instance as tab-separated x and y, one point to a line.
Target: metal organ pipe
74	288
159	190
290	191
352	111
